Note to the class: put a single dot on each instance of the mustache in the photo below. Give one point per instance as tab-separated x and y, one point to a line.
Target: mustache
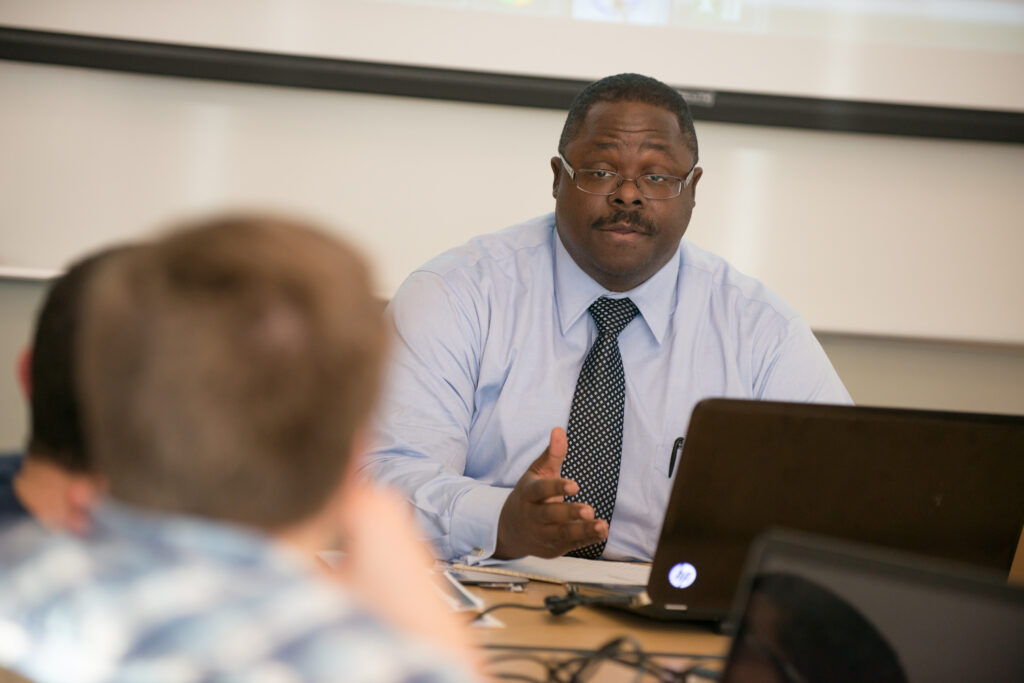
630	218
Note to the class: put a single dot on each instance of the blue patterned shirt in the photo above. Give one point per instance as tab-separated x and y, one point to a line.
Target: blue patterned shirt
159	598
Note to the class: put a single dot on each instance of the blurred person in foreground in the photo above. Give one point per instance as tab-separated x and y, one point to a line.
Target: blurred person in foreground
226	372
53	481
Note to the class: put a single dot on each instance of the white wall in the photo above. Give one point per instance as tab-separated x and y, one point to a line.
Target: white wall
863	234
19	302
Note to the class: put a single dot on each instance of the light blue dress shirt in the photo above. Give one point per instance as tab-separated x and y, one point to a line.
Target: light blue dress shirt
489	341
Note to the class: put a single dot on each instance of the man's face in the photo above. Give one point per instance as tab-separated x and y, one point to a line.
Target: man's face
622	239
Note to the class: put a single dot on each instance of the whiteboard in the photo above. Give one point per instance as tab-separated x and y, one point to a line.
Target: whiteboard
862	234
954	53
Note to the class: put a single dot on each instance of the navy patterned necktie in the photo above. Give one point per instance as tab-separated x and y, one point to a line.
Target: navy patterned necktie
595	419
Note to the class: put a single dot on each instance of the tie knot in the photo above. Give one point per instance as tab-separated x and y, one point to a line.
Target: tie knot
612	315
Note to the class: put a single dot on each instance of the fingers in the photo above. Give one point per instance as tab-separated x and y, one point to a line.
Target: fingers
558	539
558	444
561	527
546	529
547	490
561	513
549	464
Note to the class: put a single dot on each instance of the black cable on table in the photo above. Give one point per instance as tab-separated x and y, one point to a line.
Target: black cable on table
579	668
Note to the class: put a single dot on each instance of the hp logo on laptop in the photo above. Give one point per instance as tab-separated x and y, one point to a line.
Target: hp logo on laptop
682	575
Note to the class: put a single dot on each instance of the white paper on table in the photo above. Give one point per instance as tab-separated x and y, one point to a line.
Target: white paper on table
570	570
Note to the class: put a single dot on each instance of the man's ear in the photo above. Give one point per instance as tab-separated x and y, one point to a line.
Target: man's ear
556	168
24	370
697	173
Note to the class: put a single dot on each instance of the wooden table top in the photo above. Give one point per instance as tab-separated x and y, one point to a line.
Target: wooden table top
525	634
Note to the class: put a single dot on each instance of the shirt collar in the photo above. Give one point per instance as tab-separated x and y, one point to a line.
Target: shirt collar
575	291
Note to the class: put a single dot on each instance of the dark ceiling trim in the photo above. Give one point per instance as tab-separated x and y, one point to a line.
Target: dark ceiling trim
267	68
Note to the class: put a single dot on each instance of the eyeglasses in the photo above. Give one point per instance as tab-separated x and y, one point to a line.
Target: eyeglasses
651	185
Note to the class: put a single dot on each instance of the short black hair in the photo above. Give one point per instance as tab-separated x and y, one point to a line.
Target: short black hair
628	88
56	431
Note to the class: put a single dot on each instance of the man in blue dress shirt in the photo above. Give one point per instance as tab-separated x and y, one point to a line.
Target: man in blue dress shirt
491	337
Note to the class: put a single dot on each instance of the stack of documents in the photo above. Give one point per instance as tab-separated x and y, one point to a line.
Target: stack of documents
568	570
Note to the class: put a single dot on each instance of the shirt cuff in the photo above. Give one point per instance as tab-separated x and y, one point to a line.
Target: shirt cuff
475	523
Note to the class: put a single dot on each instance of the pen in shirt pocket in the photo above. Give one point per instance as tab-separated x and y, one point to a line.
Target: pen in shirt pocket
677	446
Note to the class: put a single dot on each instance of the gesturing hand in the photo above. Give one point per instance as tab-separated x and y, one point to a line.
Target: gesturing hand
536	520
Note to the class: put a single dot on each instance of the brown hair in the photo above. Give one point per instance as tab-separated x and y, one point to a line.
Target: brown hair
227	368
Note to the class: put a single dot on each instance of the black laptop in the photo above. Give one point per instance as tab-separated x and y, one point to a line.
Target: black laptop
817	609
941	484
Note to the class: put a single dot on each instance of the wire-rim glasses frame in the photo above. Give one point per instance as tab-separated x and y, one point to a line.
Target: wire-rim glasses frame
665	186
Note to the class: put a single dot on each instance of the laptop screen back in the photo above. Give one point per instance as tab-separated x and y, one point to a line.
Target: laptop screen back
814	609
